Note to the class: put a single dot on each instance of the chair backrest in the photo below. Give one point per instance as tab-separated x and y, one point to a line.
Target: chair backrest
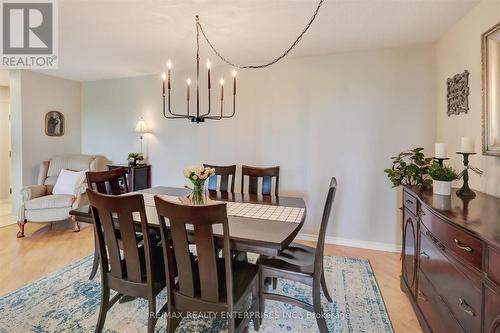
320	247
223	173
112	182
115	231
267	174
197	280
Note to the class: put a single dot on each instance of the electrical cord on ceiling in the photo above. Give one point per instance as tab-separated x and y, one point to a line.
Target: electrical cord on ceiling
272	62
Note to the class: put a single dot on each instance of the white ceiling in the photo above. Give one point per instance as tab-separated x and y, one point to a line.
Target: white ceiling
102	39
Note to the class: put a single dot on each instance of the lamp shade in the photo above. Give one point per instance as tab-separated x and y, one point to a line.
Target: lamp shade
141	127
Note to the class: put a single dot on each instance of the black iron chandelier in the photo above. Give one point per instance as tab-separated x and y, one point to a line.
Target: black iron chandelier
197	117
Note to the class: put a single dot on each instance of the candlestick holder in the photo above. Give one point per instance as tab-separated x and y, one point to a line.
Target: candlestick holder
440	160
465	190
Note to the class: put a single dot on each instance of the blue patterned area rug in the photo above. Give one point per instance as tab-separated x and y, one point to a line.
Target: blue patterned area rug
66	301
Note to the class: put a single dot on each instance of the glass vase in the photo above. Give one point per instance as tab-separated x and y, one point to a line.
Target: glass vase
197	194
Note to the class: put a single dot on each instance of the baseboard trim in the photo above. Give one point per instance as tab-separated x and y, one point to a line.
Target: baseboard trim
387	247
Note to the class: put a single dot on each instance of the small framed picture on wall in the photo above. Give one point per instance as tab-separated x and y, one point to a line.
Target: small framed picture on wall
54	123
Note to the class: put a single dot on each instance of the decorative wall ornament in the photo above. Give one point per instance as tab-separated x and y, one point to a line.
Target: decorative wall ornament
458	93
54	123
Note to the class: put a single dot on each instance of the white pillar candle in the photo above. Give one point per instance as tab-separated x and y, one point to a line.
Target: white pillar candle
467	145
441	150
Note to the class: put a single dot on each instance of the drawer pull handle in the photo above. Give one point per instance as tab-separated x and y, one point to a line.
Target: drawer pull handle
422	296
466	307
408	201
424	254
421	213
460	246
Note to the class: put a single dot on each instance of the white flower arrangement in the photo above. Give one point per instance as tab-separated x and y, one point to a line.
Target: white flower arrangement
197	173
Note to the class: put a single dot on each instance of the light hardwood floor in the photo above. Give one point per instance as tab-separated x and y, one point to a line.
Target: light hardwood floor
6	217
45	250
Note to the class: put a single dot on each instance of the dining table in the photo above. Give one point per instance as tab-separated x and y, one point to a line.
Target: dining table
262	224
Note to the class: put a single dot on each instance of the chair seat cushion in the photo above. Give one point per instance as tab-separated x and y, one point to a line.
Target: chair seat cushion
50	201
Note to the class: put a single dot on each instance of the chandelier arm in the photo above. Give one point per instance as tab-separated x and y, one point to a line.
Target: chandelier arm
234	109
209	110
272	62
174	115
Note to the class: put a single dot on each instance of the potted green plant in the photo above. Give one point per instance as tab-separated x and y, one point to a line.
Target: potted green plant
410	168
133	158
442	176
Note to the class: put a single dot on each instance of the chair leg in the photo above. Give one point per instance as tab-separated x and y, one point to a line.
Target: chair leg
95	263
152	315
256	301
231	325
103	311
20	224
262	287
172	322
318	310
325	288
76	228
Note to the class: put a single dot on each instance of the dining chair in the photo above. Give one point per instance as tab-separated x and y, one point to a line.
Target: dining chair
254	174
129	267
112	182
210	284
224	173
302	264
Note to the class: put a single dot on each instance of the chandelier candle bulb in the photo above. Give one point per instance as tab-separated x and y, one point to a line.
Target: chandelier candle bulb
169	67
467	145
441	150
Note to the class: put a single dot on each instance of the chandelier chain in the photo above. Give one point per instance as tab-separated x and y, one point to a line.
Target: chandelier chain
272	62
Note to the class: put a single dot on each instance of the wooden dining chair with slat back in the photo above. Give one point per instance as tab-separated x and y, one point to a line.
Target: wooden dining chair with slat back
128	267
303	264
266	174
112	182
224	176
209	284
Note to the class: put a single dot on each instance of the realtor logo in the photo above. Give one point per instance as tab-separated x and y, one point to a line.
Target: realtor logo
29	34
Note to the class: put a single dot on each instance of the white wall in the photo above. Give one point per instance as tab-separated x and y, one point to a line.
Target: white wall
32	96
4	143
340	115
457	50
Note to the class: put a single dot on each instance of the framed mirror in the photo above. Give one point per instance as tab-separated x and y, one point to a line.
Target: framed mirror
490	43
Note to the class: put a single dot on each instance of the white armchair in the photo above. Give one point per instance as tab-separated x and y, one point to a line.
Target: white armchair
40	205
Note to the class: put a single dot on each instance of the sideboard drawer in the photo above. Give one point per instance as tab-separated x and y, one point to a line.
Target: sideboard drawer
494	265
464	246
410	202
491	310
459	289
434	310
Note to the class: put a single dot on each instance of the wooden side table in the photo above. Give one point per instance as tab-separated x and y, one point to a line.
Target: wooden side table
138	177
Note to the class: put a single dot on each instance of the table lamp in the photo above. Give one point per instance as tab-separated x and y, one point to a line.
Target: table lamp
142	129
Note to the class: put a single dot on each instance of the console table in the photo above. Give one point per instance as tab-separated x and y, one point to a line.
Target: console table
451	261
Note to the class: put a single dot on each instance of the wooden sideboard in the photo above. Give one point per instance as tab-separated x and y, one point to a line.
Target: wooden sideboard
451	261
138	176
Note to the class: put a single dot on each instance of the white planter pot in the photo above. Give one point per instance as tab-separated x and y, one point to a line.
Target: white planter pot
441	187
441	202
